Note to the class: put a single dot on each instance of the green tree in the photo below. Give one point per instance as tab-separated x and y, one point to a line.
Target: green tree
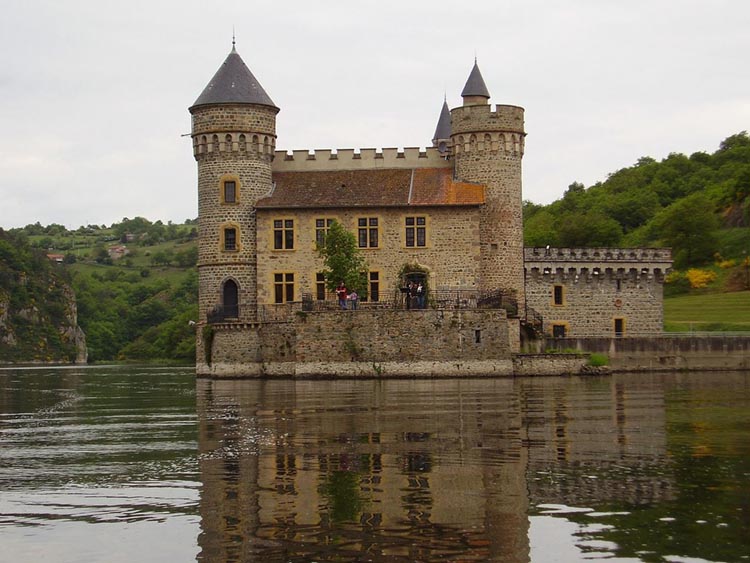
689	226
588	229
342	259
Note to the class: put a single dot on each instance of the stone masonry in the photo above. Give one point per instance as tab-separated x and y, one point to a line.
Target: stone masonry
584	291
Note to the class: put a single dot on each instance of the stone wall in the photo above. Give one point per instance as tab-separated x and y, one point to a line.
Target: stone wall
451	255
380	343
230	142
666	353
488	147
597	286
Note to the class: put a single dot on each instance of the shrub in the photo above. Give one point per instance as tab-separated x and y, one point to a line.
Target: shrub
598	360
699	278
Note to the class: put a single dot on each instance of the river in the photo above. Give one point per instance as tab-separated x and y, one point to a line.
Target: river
122	464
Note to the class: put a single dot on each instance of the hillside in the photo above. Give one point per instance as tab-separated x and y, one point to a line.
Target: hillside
38	313
698	205
135	283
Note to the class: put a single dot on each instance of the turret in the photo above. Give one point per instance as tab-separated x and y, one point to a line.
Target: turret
487	147
442	138
234	137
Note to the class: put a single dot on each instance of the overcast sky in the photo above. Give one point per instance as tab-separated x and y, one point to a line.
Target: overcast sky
94	94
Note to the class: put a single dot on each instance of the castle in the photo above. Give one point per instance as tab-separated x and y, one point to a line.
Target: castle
449	216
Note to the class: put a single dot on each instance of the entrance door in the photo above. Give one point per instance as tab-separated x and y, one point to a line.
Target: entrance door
231	299
619	328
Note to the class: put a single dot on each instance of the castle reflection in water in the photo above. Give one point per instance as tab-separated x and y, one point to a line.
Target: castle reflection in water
417	470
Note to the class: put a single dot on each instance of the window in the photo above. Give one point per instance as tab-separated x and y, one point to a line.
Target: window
320	287
416	231
283	287
230	191
374	293
558	331
367	232
558	295
283	234
230	238
321	230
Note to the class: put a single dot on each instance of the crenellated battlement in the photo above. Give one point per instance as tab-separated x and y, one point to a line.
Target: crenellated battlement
356	159
484	117
223	142
592	264
597	254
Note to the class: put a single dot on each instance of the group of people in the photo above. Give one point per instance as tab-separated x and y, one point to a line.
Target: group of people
345	296
415	295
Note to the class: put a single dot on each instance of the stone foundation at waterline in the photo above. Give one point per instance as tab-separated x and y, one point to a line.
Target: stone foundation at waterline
381	343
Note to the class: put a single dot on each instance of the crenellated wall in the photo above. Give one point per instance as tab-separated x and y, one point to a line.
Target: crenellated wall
357	159
595	291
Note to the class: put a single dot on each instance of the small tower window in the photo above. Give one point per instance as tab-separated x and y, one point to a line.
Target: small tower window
558	295
230	191
230	238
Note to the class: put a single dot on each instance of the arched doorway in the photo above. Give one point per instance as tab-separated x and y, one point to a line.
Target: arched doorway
230	299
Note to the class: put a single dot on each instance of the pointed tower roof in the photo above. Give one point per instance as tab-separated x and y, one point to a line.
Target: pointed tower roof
233	83
475	85
443	129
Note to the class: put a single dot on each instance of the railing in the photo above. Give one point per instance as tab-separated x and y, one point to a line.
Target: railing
220	314
439	299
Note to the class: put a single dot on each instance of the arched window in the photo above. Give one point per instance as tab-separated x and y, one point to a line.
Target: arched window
243	143
230	299
228	143
215	143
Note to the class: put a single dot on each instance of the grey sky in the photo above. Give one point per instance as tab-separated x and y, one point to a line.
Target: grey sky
94	94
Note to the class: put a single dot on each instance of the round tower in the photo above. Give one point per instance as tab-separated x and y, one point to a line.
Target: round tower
488	147
234	138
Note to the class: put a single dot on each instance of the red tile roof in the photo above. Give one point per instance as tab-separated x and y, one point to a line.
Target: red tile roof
370	188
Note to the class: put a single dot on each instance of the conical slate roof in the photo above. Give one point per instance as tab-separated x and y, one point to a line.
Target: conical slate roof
475	85
233	83
443	129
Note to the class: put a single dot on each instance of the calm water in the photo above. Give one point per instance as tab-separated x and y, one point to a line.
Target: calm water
133	464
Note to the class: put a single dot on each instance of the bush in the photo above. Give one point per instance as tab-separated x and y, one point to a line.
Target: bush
597	360
699	278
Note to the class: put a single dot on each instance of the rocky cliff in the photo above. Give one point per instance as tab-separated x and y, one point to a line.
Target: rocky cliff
38	313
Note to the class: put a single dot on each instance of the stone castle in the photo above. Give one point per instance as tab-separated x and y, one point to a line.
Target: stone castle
449	216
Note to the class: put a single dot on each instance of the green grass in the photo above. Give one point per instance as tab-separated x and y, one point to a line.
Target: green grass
708	312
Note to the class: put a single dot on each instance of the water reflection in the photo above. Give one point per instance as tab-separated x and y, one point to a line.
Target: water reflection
108	464
413	470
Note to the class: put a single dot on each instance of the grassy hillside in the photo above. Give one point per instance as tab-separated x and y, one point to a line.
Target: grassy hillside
708	312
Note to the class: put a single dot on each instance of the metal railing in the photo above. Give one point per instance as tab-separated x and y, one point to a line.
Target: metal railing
438	299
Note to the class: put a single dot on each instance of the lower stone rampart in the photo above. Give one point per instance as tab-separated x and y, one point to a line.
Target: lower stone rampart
377	343
665	353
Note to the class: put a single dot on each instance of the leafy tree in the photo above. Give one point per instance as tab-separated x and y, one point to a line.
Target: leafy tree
588	229
688	226
540	230
343	260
